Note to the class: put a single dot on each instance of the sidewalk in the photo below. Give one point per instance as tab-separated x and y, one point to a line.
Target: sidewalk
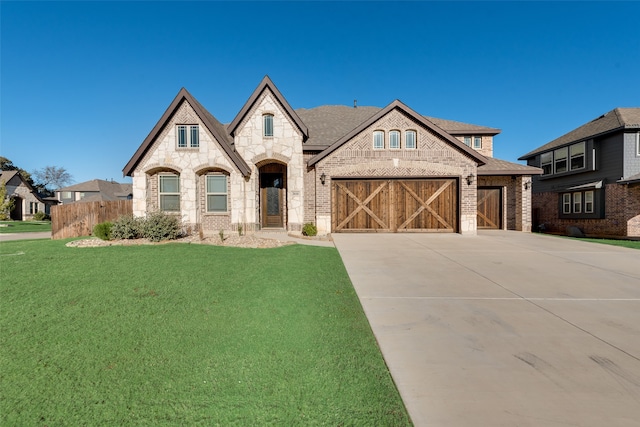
5	237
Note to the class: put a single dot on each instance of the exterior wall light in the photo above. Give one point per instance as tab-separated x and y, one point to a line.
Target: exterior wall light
470	179
323	178
527	185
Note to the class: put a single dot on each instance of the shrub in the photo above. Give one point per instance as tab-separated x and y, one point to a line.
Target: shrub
309	229
103	230
160	226
41	216
127	227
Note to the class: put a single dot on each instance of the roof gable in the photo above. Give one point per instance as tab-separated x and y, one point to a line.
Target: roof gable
265	84
412	114
112	190
216	128
614	120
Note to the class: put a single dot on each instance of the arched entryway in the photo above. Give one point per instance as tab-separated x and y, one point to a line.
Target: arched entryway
16	212
273	195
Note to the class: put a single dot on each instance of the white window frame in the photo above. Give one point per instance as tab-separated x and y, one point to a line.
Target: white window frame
394	145
212	193
467	141
187	136
163	194
588	202
267	125
378	140
477	142
638	143
557	159
33	208
577	202
566	203
575	156
411	143
548	162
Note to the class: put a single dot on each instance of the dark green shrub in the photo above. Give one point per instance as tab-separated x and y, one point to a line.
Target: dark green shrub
41	216
160	226
309	229
103	230
127	227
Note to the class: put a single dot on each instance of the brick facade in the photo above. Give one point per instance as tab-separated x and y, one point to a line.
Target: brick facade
622	213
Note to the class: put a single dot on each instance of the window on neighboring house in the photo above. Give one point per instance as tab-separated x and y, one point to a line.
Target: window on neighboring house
560	160
66	196
467	141
576	152
566	203
267	125
394	139
33	208
477	142
378	140
588	202
638	143
546	163
169	193
217	193
410	139
188	136
577	202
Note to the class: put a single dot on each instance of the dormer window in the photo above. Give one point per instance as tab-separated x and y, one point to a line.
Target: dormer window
477	142
267	125
188	136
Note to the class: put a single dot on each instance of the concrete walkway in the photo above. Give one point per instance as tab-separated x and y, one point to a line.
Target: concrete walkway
503	328
283	236
5	237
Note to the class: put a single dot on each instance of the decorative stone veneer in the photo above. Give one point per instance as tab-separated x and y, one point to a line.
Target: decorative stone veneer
26	199
622	213
432	158
285	146
516	200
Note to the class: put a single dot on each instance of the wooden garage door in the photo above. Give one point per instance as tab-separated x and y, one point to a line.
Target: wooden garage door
394	205
489	212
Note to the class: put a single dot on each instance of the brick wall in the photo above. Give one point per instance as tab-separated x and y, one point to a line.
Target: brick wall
622	213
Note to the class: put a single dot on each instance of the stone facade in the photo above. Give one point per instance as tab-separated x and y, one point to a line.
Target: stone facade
486	148
25	202
516	200
622	213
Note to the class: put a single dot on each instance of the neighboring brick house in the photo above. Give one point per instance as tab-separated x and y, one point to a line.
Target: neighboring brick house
591	177
26	201
94	191
342	168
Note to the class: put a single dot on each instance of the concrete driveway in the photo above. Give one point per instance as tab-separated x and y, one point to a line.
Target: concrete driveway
503	328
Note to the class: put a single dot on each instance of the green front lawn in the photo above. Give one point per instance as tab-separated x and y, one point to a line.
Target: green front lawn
633	244
185	334
25	226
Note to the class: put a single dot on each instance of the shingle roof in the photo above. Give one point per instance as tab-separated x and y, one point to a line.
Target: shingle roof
495	166
614	120
7	175
109	190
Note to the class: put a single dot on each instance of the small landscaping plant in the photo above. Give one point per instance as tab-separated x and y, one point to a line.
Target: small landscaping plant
161	226
309	229
103	230
41	216
127	227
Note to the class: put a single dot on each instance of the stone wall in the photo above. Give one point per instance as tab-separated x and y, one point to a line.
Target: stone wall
487	144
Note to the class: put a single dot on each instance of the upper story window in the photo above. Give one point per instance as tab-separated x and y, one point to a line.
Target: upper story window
267	125
378	140
394	139
638	143
467	141
477	142
410	139
188	136
565	159
169	193
217	193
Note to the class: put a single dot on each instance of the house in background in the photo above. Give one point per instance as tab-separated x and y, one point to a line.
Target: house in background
94	191
26	201
342	168
591	177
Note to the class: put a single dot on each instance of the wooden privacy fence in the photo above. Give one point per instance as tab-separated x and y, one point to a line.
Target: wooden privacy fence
78	219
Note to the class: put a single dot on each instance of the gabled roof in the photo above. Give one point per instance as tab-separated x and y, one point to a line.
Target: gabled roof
614	120
7	176
266	83
495	166
216	128
415	116
109	190
460	128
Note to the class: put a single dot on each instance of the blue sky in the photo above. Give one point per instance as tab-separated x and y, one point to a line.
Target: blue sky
83	83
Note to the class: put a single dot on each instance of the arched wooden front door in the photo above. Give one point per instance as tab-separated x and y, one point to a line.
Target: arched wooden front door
273	195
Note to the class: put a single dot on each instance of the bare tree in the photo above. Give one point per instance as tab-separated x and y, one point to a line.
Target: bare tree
52	177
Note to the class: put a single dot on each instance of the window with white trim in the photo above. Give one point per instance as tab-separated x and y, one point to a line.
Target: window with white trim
467	141
565	159
267	125
169	193
394	139
577	153
410	139
560	160
477	142
378	140
577	202
546	163
588	202
217	193
566	203
33	208
638	143
188	136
